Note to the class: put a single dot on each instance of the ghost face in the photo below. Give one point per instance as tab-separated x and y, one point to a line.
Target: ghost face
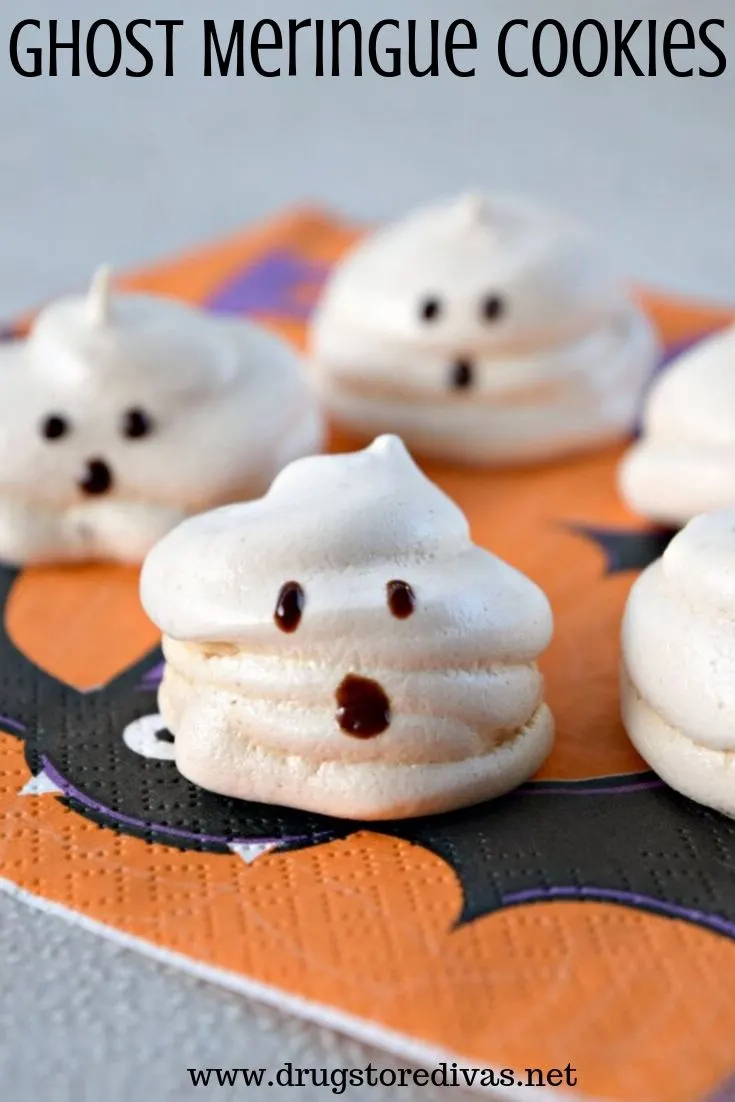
463	289
98	472
376	697
114	429
343	647
76	446
69	445
444	326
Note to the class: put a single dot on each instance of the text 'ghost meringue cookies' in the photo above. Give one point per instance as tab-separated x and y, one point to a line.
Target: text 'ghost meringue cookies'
483	330
342	646
684	462
121	414
678	690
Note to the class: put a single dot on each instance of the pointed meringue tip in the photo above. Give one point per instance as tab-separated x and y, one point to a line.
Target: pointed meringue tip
388	446
40	785
471	208
251	851
99	296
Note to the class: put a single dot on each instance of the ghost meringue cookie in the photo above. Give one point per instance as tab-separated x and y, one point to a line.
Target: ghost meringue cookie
121	414
342	646
684	462
484	330
678	690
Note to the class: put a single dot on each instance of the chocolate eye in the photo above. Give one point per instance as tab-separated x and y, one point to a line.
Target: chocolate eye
401	599
137	423
289	607
430	308
492	307
55	426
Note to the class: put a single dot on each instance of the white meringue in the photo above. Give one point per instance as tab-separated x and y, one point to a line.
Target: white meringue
678	639
684	462
446	682
482	330
121	414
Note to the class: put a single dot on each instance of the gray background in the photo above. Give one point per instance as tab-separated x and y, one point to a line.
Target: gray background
124	171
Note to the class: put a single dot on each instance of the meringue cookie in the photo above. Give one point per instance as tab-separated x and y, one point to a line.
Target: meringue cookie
684	463
121	414
342	646
482	330
678	690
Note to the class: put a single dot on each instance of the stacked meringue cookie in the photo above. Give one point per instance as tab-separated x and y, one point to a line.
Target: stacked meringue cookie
678	662
482	330
121	414
342	646
684	463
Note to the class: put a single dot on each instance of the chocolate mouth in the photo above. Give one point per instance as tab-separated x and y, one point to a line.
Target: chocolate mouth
363	708
462	375
97	478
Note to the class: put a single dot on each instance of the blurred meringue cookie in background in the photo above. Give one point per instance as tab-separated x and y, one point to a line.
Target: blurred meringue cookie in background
684	462
678	690
121	414
484	330
342	646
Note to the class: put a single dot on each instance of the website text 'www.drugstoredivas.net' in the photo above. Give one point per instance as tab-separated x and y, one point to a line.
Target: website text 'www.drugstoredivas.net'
337	1080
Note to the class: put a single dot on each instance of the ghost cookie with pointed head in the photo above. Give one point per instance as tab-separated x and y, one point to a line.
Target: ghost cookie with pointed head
121	414
678	690
684	462
342	646
482	330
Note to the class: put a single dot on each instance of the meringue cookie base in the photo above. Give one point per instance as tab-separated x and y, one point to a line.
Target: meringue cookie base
671	481
221	758
34	534
704	775
480	433
529	408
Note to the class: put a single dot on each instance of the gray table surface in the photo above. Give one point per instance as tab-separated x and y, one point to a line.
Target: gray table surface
126	171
